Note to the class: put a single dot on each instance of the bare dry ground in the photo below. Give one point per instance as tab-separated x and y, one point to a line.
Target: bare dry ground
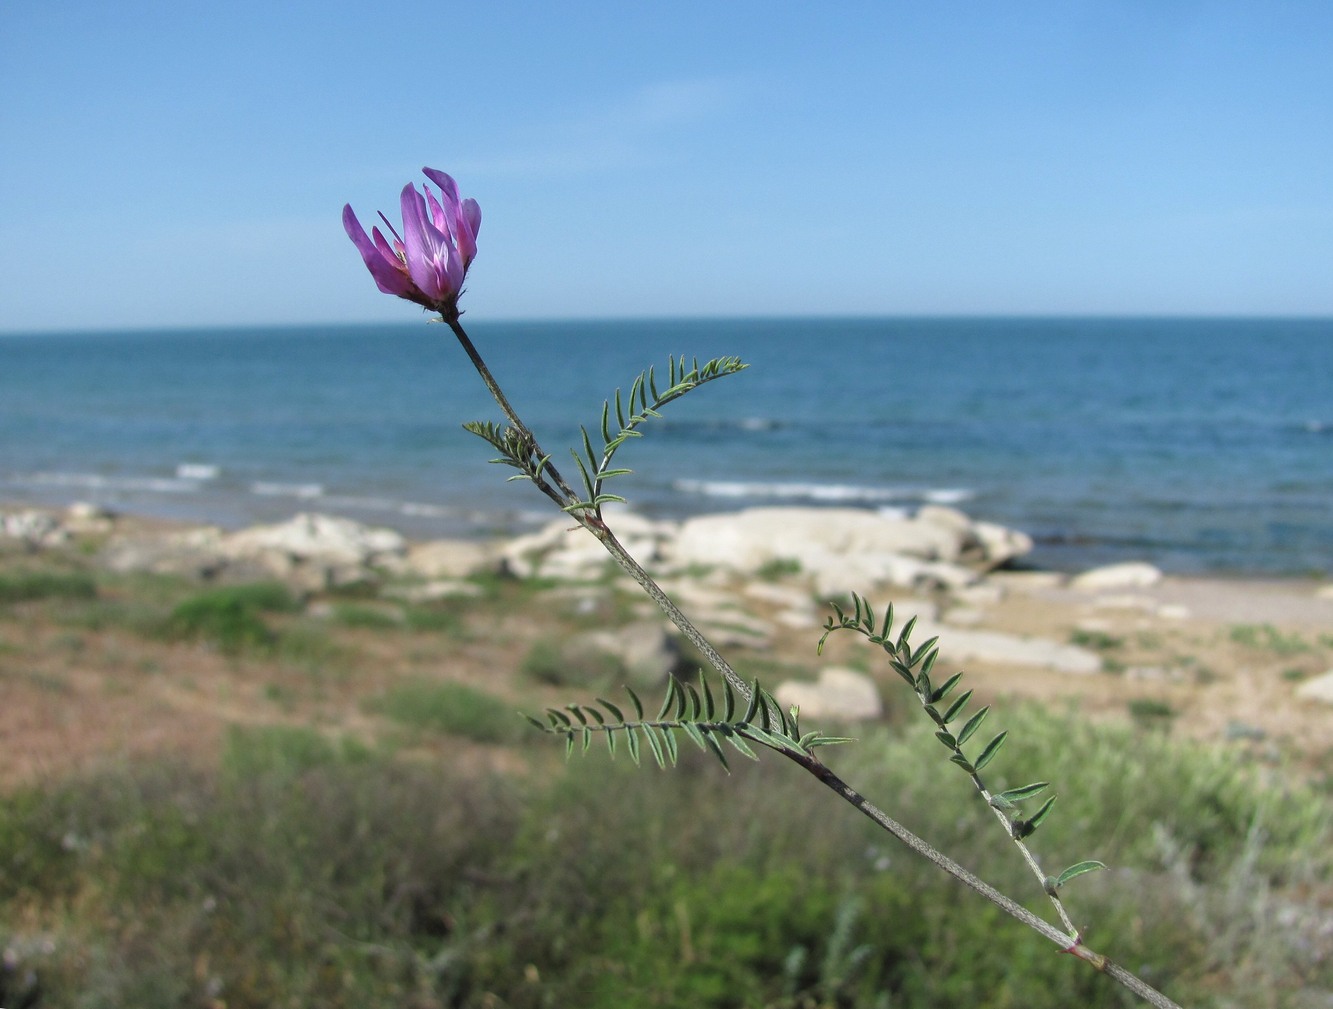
84	681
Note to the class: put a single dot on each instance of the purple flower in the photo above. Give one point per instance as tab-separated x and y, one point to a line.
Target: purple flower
428	263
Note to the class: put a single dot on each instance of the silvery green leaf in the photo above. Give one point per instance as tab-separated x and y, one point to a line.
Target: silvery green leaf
1025	792
942	691
958	705
1078	869
992	748
906	633
738	741
655	745
972	724
1041	814
669	739
695	733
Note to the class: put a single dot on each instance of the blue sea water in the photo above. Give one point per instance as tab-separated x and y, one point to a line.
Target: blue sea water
1200	445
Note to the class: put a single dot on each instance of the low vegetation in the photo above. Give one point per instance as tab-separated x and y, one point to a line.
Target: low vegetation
387	832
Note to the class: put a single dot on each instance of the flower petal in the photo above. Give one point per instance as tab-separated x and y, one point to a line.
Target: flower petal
388	279
446	183
432	259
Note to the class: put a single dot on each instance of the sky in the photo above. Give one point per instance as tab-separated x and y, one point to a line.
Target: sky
169	164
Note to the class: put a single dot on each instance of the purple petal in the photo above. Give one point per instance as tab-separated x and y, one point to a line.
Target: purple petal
432	260
446	183
387	278
468	223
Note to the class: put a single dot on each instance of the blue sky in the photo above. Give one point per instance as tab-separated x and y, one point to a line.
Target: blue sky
179	163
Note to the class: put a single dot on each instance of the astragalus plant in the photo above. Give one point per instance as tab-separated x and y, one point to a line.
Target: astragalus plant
427	264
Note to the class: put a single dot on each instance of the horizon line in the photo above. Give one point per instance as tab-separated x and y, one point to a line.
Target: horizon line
601	320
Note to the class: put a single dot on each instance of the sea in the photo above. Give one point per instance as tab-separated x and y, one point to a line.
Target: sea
1199	445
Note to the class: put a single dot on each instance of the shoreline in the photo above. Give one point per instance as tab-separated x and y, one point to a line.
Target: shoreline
1240	662
425	523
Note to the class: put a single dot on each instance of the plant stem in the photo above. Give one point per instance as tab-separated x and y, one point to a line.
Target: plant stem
1071	944
594	524
493	387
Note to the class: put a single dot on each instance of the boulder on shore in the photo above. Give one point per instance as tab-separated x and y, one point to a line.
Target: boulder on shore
839	694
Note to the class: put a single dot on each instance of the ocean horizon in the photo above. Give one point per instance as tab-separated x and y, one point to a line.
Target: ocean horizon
1203	445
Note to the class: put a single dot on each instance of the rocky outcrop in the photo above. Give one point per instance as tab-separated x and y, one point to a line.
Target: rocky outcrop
840	695
1129	575
1318	688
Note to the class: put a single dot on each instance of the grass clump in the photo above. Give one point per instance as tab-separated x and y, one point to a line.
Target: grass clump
231	618
562	664
28	586
454	709
1268	638
1097	640
373	618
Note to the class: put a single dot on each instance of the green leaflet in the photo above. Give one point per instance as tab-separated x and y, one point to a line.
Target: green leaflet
992	748
1077	869
617	426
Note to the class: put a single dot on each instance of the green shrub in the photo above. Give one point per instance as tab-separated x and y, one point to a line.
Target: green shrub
309	871
454	709
230	618
32	585
367	617
559	665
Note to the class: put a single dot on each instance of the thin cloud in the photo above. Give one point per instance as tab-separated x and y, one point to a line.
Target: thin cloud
621	133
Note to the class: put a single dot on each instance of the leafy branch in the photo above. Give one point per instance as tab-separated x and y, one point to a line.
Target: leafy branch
915	665
697	713
644	401
689	709
516	449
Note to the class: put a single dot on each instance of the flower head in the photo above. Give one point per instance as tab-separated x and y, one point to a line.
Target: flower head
428	262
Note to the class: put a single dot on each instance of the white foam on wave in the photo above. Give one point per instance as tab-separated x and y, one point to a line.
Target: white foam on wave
758	424
110	484
947	495
296	490
415	509
197	471
820	492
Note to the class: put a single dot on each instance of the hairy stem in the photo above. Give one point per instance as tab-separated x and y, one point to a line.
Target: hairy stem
1071	944
593	522
561	494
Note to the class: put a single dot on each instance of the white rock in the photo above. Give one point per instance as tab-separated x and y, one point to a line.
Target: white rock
448	558
36	528
840	694
195	553
645	649
747	540
85	517
1320	688
1000	544
564	550
958	645
312	536
1130	575
733	629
